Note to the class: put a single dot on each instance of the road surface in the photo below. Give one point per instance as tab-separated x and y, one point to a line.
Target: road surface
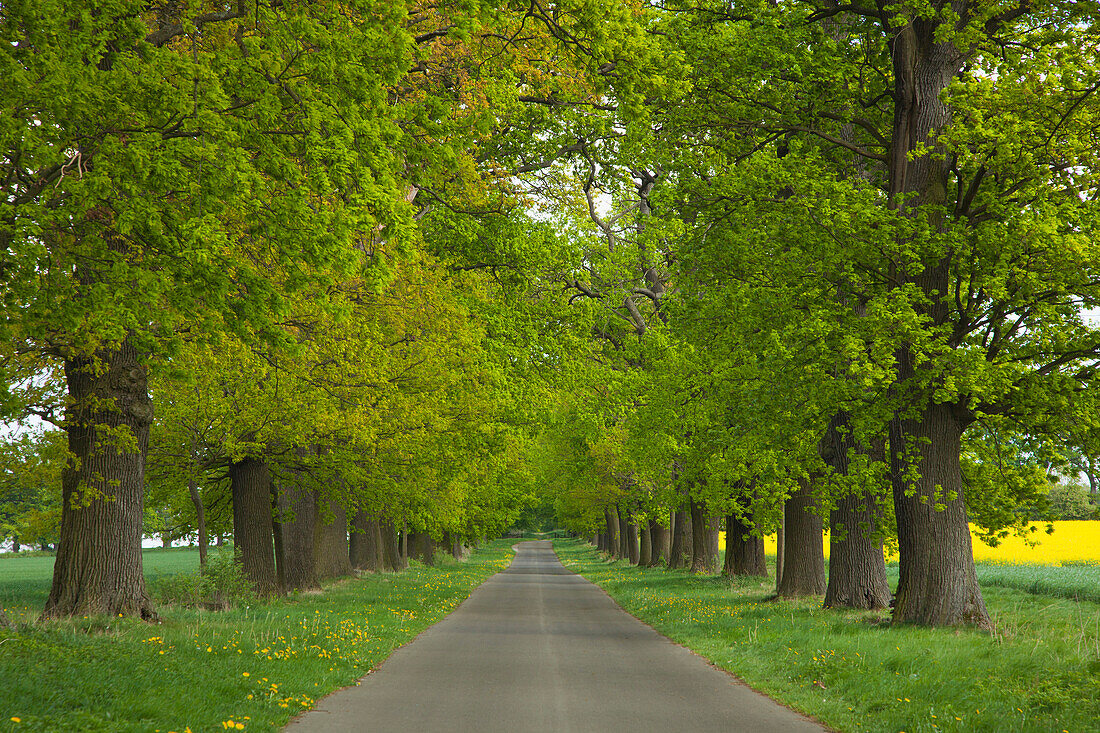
538	648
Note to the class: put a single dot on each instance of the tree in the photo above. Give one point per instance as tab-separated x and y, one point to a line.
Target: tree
150	200
953	246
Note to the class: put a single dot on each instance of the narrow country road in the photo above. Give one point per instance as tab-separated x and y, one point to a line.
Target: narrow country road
538	648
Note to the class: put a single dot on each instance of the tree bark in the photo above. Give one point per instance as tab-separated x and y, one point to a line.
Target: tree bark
297	511
200	520
659	543
857	569
611	519
804	550
454	545
645	552
632	542
392	558
99	566
365	543
681	544
250	481
744	551
421	548
780	545
938	584
704	541
331	558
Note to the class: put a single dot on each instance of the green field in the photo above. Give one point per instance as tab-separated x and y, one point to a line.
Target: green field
25	580
1038	671
256	665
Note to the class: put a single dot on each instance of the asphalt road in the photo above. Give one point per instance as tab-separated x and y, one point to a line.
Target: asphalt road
538	648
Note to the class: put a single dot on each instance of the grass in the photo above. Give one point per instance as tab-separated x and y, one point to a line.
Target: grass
249	668
853	671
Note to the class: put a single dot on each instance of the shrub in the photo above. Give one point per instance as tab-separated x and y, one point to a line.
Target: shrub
220	585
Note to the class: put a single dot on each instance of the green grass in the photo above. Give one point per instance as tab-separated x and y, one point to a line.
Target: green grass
256	665
853	671
1079	582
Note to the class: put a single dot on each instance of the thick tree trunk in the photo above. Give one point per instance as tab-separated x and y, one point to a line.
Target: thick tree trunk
611	519
624	536
659	543
632	543
252	525
297	511
331	558
857	569
744	551
645	552
422	548
365	543
15	544
938	584
681	540
98	567
454	545
704	541
392	558
804	551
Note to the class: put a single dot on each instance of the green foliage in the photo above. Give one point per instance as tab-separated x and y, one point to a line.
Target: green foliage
1070	500
30	487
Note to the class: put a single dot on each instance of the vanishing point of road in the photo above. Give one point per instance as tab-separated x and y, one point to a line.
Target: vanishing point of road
538	648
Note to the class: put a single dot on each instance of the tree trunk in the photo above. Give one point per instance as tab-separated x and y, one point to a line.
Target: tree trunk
804	550
611	519
392	559
704	541
780	545
297	511
659	543
645	552
15	544
857	570
632	542
677	555
253	530
744	551
200	520
624	536
938	584
330	539
365	543
454	545
98	567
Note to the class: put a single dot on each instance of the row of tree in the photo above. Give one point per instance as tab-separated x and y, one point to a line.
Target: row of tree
840	269
262	264
738	259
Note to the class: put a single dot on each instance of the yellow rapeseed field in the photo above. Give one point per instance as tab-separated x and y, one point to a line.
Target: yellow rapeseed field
1071	542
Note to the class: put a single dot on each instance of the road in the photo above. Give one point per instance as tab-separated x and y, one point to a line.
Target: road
538	648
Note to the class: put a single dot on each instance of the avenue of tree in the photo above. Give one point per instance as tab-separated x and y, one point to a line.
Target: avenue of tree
342	281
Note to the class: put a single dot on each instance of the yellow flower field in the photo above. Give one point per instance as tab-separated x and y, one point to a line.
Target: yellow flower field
1071	542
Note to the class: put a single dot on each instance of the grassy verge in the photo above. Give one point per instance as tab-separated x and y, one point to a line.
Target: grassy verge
1039	671
248	668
